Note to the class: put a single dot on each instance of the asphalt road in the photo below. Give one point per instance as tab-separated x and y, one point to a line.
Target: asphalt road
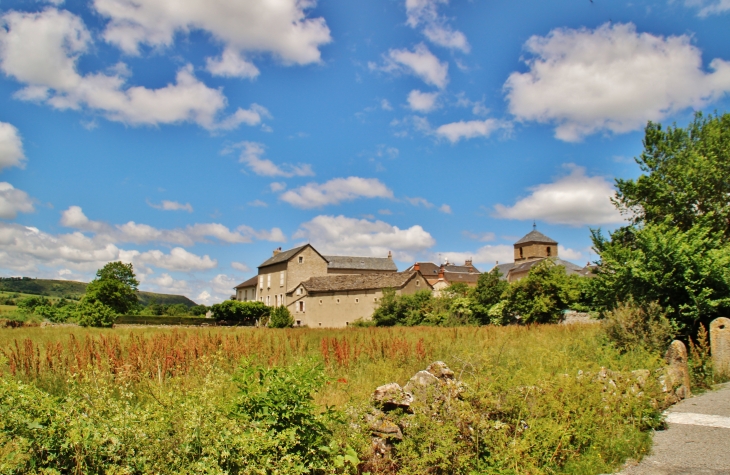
697	441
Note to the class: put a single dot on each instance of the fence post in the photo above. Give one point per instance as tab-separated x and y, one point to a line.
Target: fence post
720	345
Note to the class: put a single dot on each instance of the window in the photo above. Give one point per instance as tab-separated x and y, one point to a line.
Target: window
357	300
281	299
520	253
299	323
338	300
268	300
418	282
320	324
548	251
301	259
320	301
281	279
347	324
301	306
276	299
375	299
261	282
299	291
268	281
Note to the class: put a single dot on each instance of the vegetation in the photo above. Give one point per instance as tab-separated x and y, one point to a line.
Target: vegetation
243	400
115	286
247	313
280	317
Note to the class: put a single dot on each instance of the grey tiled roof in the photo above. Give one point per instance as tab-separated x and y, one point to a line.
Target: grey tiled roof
570	268
361	263
331	283
504	269
536	236
283	256
467	278
429	269
249	283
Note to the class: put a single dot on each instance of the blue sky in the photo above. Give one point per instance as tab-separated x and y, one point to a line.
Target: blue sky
192	137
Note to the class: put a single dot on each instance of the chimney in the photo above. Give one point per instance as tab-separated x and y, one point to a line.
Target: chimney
441	272
277	250
468	262
416	266
390	255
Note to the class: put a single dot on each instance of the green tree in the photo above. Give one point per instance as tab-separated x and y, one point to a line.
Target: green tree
487	293
115	286
234	311
542	295
280	317
93	313
686	176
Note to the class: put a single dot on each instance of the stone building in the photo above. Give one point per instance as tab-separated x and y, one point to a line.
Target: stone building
532	249
442	276
338	300
246	291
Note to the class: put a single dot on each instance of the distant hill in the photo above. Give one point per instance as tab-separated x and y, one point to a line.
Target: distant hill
76	290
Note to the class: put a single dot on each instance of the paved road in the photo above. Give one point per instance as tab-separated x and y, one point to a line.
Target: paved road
697	441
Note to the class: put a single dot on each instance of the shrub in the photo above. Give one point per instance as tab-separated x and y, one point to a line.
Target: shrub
280	317
234	311
93	313
631	326
29	304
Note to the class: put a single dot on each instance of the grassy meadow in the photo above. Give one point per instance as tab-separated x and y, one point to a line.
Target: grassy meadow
536	402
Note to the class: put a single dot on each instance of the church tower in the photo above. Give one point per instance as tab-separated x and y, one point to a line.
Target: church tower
535	245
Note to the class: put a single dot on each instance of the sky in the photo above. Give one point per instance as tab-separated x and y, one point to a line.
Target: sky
193	137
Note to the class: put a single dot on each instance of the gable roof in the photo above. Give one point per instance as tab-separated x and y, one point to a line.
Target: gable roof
504	269
345	282
284	256
536	236
249	283
361	263
429	269
570	268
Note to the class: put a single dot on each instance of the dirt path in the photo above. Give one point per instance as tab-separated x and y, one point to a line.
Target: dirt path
697	441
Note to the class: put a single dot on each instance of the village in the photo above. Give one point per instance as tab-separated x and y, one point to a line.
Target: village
333	291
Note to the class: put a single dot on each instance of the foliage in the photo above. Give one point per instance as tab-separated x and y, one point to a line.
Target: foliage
115	286
234	311
93	313
630	326
685	272
686	176
487	293
700	361
413	309
542	295
280	317
198	310
29	304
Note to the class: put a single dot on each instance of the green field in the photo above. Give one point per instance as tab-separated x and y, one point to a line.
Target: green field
149	400
57	289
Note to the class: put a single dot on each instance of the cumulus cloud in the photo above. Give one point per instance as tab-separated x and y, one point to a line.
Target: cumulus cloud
277	186
13	201
444	208
240	266
231	64
252	154
178	259
335	191
167	205
278	27
457	131
167	284
11	147
362	237
575	199
569	254
41	50
709	7
422	101
611	79
436	28
419	62
484	237
484	255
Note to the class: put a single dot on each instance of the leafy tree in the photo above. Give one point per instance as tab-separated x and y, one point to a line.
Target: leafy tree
542	295
93	313
115	286
281	317
415	309
686	176
686	272
198	310
29	304
234	311
487	293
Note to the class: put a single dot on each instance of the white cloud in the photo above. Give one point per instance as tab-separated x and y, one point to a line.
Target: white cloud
167	205
240	266
385	105
277	186
575	199
258	204
231	64
456	131
13	201
709	7
569	254
436	29
484	237
484	255
41	50
205	298
418	201
278	27
422	101
444	208
222	285
11	147
419	62
611	79
177	260
251	156
273	235
361	237
337	190
167	284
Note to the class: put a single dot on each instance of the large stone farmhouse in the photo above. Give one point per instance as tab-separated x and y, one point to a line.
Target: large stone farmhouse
447	274
326	291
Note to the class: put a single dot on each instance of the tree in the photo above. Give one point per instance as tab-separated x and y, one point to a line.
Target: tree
93	313
115	286
281	317
487	293
234	311
686	176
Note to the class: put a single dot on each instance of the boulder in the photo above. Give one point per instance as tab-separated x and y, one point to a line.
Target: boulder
383	428
676	380
720	345
440	370
390	396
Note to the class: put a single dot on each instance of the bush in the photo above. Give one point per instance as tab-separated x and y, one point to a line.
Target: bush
631	326
281	317
29	304
93	313
234	311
